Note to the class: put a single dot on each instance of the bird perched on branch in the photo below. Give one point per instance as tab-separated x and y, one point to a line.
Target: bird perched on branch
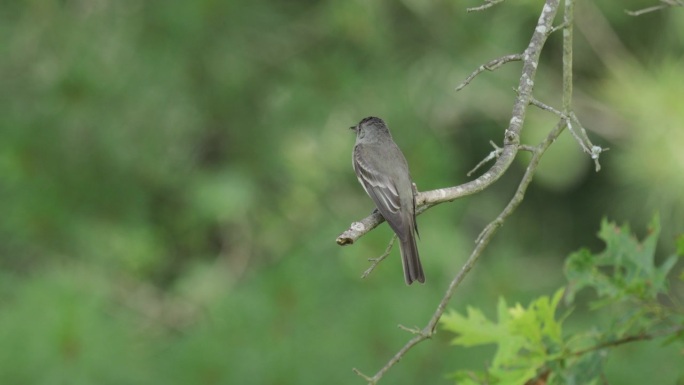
383	172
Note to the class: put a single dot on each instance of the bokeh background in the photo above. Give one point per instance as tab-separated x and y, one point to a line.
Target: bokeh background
173	176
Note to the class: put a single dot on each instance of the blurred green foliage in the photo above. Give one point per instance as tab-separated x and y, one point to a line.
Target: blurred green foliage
173	176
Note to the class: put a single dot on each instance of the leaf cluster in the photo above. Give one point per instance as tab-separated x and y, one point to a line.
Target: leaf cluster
532	345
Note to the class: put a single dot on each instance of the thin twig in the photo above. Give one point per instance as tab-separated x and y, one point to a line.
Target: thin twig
492	155
628	339
581	141
665	4
556	28
525	147
413	330
489	66
594	151
577	130
365	377
376	261
575	135
646	10
546	107
412	342
487	4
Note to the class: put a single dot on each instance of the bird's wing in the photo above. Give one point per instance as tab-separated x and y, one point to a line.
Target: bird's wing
381	189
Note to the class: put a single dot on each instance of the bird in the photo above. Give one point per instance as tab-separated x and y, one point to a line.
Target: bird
382	170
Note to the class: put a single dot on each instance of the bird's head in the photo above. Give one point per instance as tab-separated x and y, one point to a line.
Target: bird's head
370	127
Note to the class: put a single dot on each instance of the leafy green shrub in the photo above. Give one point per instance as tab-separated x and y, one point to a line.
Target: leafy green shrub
534	347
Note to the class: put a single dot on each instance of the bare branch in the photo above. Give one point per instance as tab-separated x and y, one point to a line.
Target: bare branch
487	4
489	66
664	4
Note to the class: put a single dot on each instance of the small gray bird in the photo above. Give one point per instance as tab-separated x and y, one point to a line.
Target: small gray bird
383	172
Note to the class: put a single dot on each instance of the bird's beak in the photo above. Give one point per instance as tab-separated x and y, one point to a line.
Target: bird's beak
352	128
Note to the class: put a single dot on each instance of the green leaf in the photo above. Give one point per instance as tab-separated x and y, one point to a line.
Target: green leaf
526	338
474	329
624	269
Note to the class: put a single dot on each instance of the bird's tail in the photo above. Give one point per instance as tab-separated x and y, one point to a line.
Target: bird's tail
413	270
